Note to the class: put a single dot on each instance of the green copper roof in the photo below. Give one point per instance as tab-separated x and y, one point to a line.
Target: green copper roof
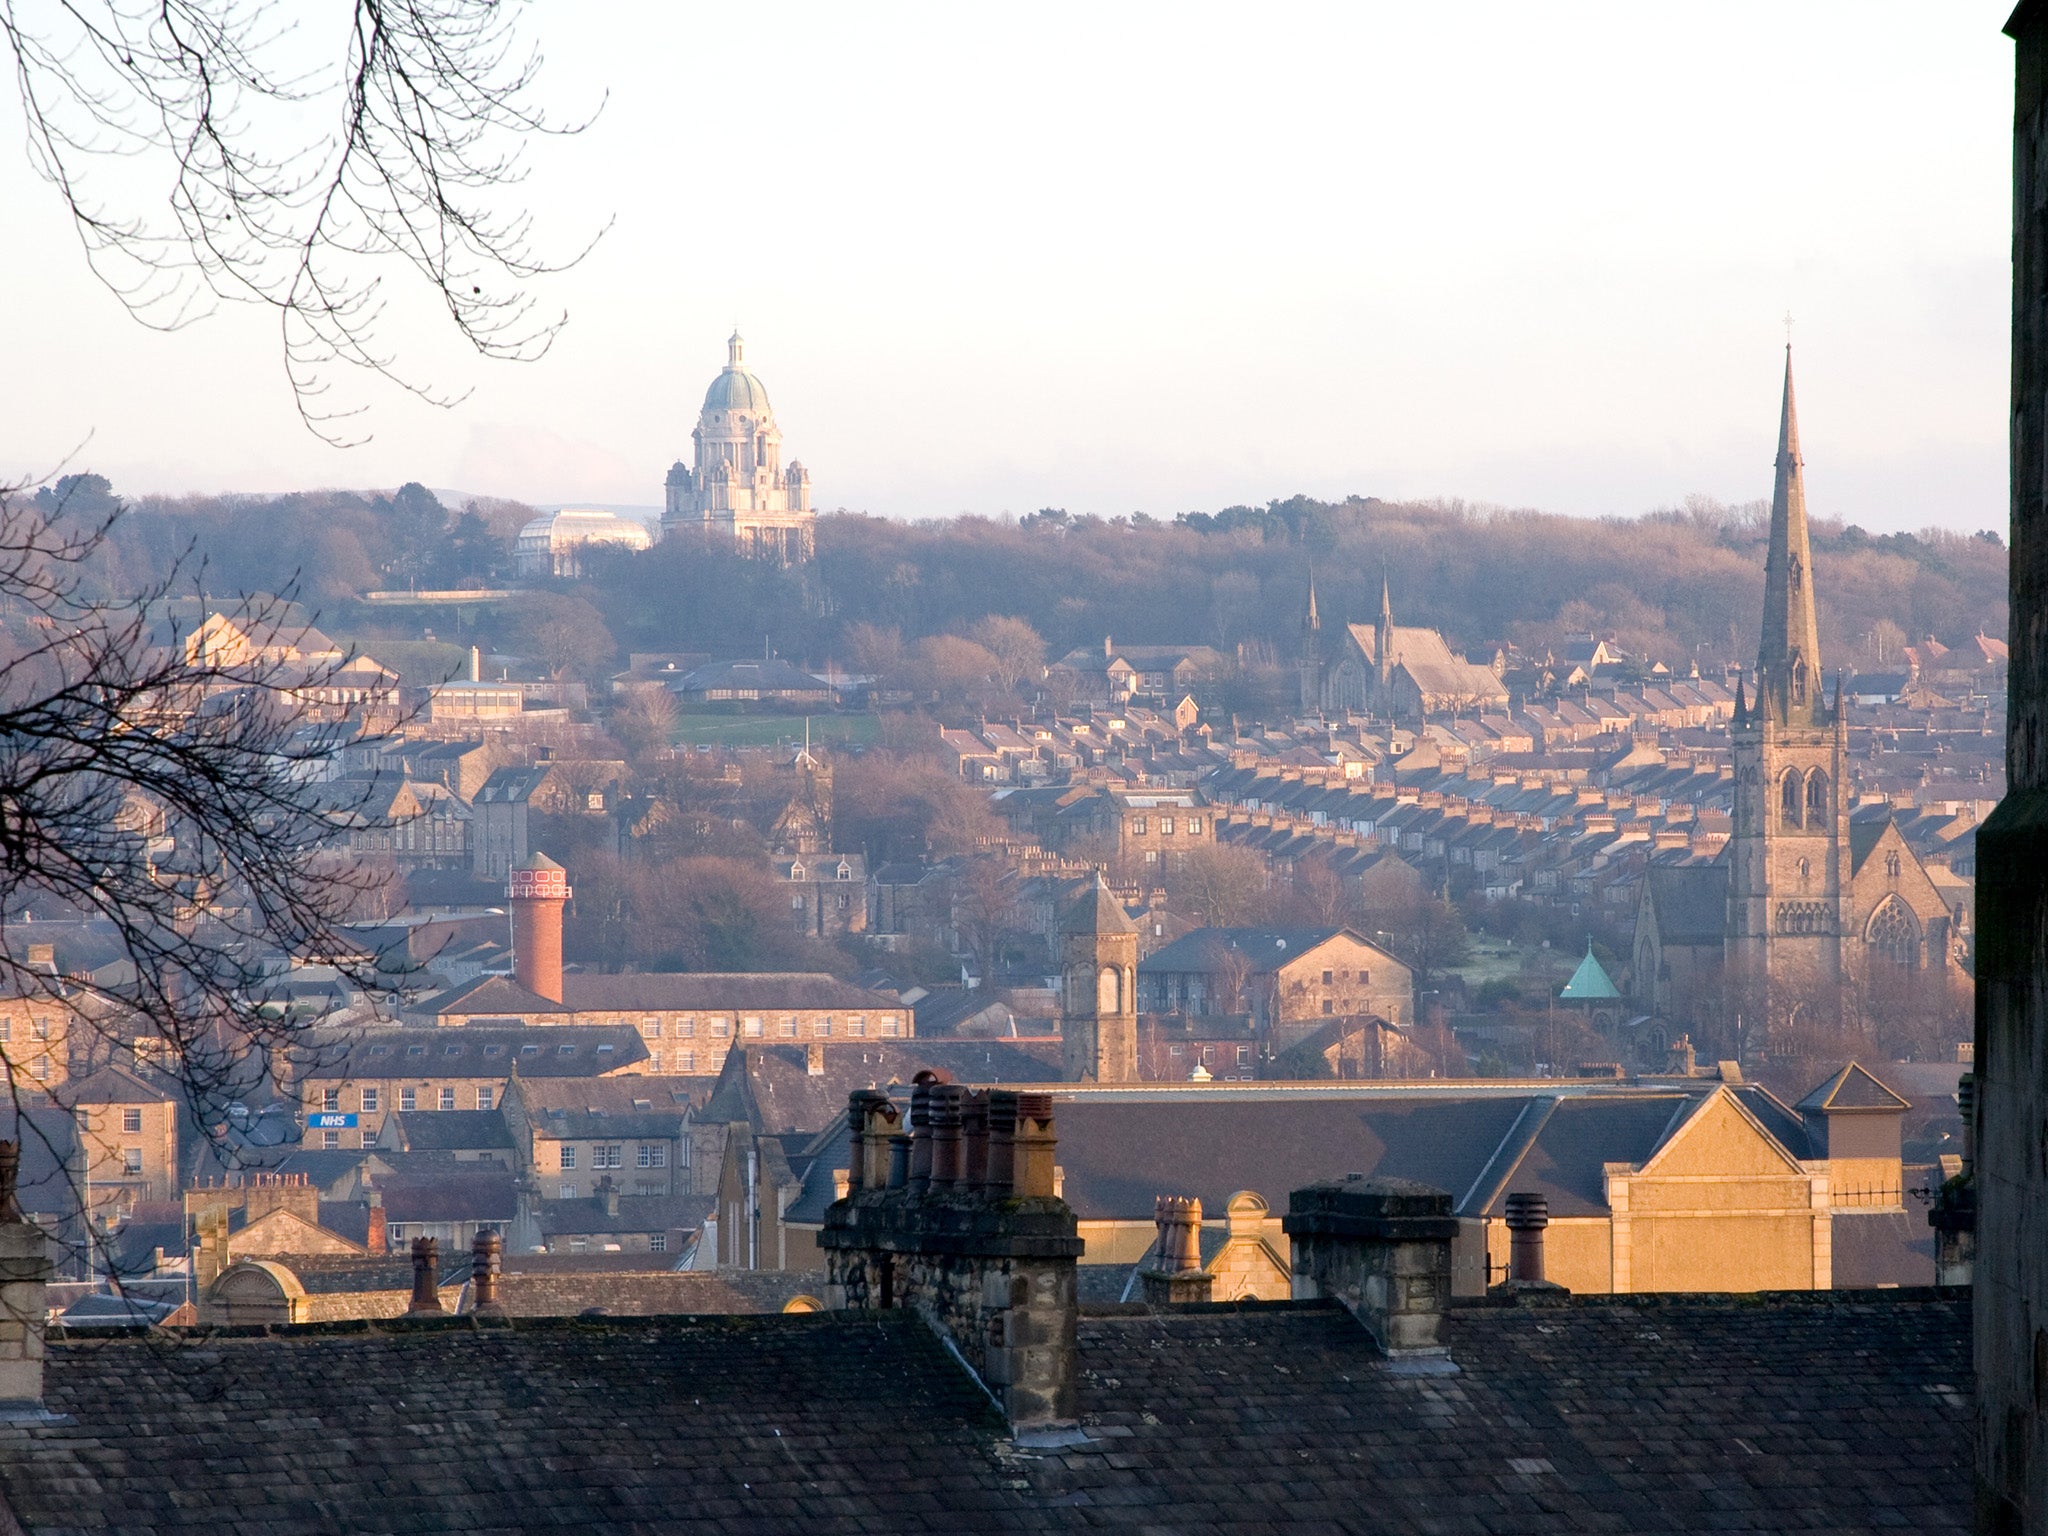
736	390
1589	982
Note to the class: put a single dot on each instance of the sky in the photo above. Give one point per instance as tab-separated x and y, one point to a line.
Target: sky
1165	258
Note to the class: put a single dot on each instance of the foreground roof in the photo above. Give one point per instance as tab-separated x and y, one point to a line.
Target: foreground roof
1646	1414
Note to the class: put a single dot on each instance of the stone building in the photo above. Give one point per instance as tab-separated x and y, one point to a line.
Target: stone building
1098	990
1818	906
1292	981
736	492
1397	671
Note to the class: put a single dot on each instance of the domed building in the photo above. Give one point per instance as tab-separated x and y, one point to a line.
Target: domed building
553	544
737	490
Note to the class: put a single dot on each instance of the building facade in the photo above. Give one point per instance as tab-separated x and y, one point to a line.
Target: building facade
736	492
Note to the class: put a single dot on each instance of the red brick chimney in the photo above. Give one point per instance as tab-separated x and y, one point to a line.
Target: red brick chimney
537	891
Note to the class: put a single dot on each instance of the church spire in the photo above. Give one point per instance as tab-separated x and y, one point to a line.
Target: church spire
1313	619
1788	661
1383	640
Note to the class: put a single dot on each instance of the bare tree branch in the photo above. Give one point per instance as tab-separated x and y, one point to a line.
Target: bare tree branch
212	111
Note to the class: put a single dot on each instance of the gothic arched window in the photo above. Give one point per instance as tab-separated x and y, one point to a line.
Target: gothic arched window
1893	934
1790	793
1816	798
1798	682
1892	866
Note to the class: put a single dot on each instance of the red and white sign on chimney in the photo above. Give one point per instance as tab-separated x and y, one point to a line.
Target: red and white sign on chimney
538	884
536	892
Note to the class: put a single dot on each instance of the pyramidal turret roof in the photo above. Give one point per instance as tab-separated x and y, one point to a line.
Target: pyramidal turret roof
1854	1087
1098	911
1589	982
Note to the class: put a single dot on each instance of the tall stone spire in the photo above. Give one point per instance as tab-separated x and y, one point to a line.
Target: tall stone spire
1312	619
1383	640
1788	661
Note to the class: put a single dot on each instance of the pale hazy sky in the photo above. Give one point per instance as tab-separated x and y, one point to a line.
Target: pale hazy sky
1170	257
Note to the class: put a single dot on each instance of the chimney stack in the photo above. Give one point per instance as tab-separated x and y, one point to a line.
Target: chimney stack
486	1255
1383	1248
962	1225
426	1294
376	1239
1176	1275
537	891
814	1058
25	1271
1528	1215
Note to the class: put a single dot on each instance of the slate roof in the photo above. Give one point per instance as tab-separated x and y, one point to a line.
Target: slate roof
1691	902
480	1050
1267	948
449	1130
525	1290
1638	1414
716	992
770	1087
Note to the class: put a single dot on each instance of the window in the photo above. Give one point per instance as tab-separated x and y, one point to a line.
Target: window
1244	1055
683	1153
370	1101
331	1140
606	1049
565	1050
856	1026
453	1050
484	1096
1151	855
608	1155
565	1191
395	1234
1174	1049
796	903
415	1050
1365	978
447	1098
330	1099
686	1061
823	1028
408	1098
40	1071
1166	826
789	1026
131	1159
1208	1053
1194	826
1816	797
1137	826
845	902
657	1242
651	1154
529	1050
579	1245
131	1121
654	1060
1791	797
651	1029
1329	1006
568	1157
751	1028
1329	977
686	1026
41	1031
891	1028
6	1029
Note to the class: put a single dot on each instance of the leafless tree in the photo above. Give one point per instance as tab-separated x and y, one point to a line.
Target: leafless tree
293	157
160	769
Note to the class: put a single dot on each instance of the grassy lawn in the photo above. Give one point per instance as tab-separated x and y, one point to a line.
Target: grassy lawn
766	730
1492	959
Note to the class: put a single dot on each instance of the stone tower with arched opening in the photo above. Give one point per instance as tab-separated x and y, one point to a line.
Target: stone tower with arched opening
1098	991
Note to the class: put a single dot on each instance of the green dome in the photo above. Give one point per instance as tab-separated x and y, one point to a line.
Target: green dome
736	390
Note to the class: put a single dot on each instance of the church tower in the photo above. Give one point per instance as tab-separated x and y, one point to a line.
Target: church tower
1789	876
1098	991
1311	654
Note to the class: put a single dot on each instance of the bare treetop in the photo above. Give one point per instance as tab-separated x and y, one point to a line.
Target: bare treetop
239	149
